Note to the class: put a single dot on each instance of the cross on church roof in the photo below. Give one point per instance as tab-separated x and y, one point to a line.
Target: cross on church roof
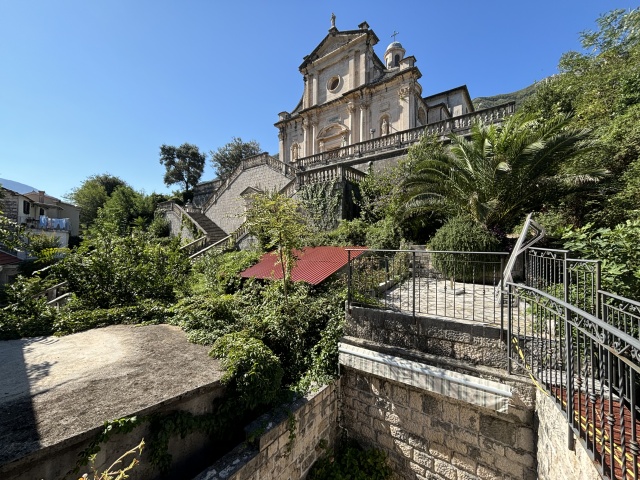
394	35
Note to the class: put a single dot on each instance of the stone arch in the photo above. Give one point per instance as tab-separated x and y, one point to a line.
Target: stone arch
422	116
295	152
332	136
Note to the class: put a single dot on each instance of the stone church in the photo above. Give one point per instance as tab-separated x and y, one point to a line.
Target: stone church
356	110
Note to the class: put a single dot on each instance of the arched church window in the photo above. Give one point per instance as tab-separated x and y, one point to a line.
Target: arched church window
396	60
422	116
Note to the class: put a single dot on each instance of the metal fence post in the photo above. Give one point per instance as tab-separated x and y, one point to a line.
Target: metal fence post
569	354
413	274
509	326
349	280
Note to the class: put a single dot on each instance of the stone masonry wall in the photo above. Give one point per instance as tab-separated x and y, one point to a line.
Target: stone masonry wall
225	211
555	460
470	342
430	436
280	452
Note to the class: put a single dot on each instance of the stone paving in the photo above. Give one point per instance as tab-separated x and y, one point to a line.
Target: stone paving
460	300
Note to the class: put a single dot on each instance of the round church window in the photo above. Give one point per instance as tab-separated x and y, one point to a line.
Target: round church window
333	83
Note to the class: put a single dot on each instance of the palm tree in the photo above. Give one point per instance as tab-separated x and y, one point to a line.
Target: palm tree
499	172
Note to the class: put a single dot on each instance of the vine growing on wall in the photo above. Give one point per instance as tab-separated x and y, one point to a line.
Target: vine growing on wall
322	203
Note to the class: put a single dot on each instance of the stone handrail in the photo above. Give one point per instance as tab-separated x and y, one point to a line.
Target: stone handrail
330	173
179	212
247	163
408	137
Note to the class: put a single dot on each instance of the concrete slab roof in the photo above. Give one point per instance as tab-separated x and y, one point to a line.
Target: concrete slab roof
53	388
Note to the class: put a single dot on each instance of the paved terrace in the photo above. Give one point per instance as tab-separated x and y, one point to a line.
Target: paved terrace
54	388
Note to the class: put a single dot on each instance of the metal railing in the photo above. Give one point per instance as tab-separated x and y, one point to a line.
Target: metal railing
579	344
461	285
589	366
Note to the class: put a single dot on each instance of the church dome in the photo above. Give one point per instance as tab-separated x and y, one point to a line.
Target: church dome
394	54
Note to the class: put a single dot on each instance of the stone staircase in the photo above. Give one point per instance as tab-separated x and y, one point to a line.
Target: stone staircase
213	232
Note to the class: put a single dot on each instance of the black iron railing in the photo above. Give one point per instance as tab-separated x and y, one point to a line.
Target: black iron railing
463	285
580	344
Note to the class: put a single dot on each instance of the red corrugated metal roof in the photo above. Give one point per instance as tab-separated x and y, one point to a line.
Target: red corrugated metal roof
314	264
7	259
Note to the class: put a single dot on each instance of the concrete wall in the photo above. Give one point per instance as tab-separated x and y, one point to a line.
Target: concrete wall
190	454
275	454
555	460
426	435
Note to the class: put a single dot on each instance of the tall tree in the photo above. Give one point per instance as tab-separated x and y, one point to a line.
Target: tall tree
276	220
227	158
92	194
184	165
500	172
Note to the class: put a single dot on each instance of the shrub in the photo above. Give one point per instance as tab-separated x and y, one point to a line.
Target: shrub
222	272
348	233
205	318
27	314
252	371
462	234
110	271
352	463
77	317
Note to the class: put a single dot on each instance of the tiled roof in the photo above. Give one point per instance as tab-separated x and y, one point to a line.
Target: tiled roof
314	265
7	259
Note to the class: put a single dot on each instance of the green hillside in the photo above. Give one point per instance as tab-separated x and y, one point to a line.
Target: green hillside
518	96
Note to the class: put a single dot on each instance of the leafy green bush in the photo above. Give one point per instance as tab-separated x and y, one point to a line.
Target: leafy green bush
291	329
352	463
347	233
617	248
110	271
222	271
27	313
462	234
205	318
78	317
252	371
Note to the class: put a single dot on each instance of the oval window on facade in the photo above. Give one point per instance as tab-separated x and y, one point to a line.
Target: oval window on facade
333	83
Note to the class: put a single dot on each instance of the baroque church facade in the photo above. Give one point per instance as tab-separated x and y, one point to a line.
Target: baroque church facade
356	110
351	95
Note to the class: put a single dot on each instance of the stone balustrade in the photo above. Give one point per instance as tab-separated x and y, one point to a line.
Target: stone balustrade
461	124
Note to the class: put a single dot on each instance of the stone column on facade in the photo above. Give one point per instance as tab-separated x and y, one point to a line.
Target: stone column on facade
305	137
353	123
314	93
405	93
364	124
314	135
281	146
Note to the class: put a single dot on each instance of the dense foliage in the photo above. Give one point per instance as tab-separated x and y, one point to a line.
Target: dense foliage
184	166
227	158
109	271
352	463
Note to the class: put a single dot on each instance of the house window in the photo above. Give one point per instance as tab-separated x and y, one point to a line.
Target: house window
41	211
26	207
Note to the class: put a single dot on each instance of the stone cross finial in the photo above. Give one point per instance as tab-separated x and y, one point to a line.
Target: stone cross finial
394	35
333	20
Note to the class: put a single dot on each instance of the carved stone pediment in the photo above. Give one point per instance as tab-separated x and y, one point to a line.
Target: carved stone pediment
332	130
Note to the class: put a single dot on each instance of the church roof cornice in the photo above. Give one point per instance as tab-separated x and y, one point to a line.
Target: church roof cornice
372	39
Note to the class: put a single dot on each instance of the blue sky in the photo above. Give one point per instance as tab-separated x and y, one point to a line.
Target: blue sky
88	87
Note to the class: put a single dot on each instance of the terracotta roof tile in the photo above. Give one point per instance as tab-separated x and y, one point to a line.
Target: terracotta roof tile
7	259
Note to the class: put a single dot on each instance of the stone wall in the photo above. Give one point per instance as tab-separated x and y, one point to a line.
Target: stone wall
555	460
192	452
474	343
225	211
283	445
426	435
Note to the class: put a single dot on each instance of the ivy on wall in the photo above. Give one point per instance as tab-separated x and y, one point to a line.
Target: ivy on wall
322	202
